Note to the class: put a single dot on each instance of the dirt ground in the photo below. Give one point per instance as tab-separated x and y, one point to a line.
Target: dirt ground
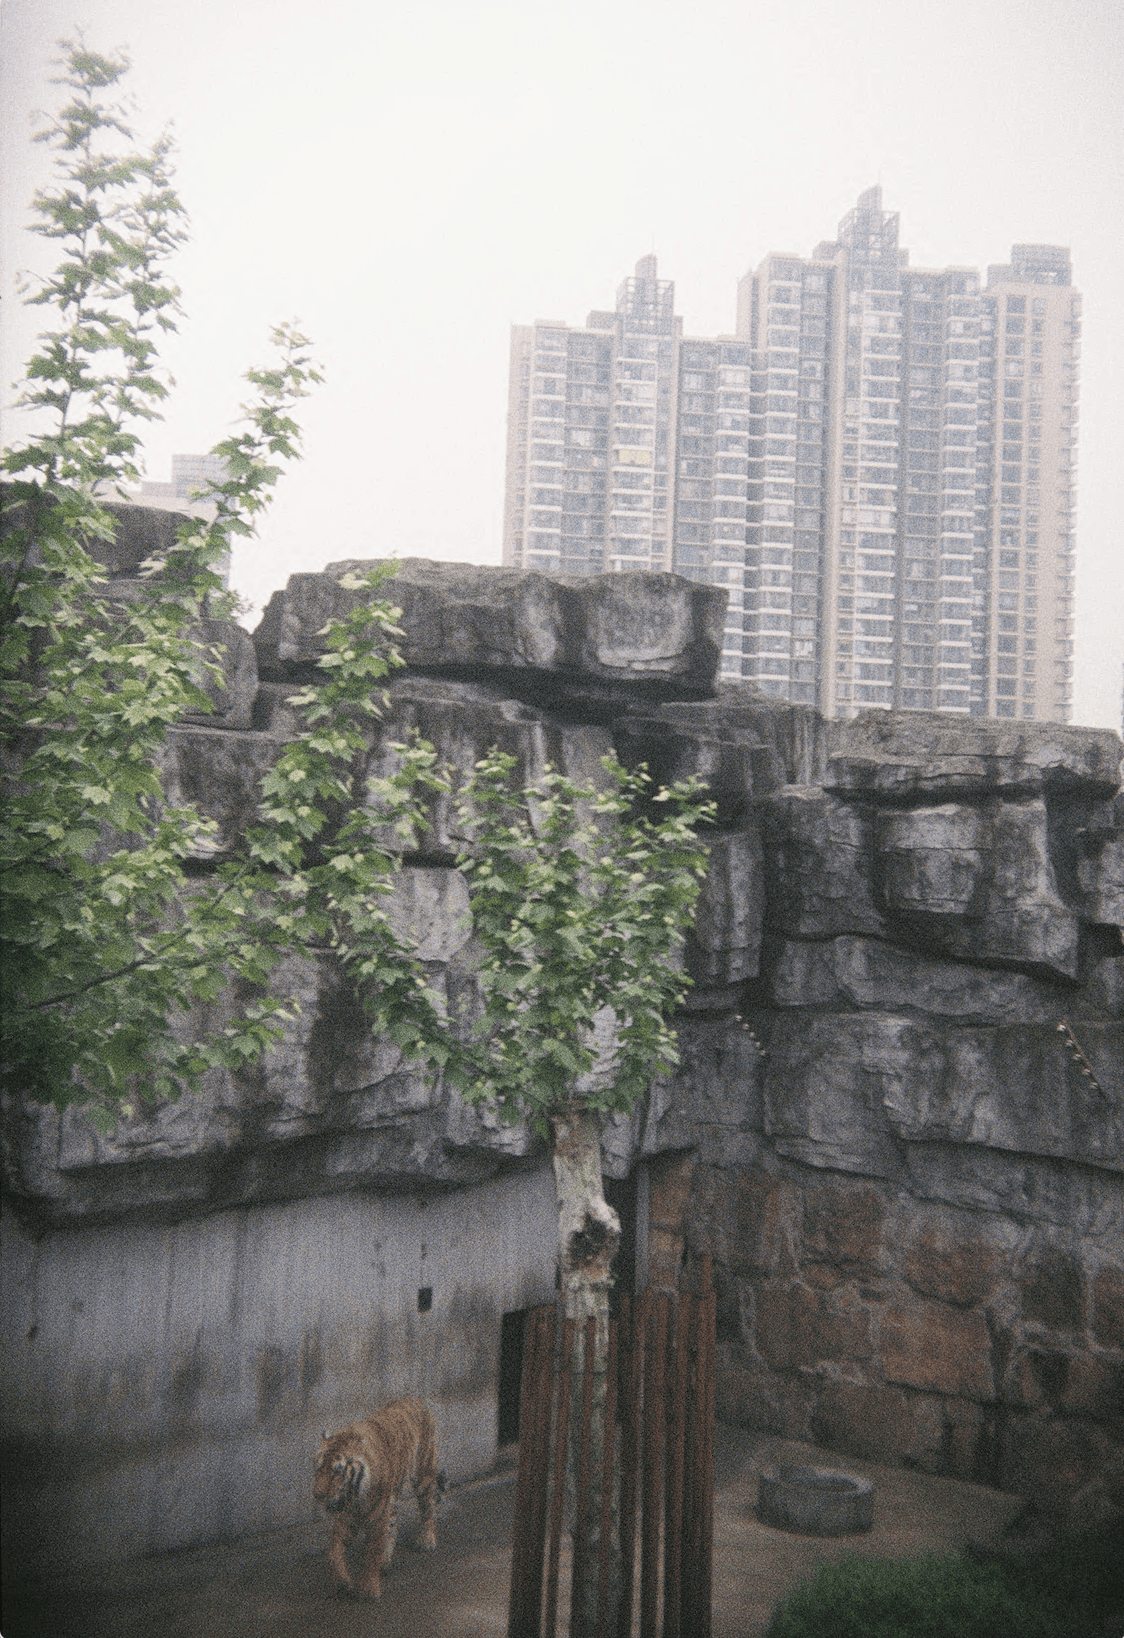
274	1586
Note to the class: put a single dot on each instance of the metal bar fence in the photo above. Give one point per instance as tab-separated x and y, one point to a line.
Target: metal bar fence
656	1468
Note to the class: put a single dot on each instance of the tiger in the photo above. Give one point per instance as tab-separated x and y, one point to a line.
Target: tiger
360	1475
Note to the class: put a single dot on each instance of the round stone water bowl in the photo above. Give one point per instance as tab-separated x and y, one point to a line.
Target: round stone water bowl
815	1501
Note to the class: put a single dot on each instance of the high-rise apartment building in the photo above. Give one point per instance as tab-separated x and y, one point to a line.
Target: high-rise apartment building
627	446
911	480
1030	346
190	474
879	467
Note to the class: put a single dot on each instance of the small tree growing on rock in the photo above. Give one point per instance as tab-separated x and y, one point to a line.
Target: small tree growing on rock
580	900
118	917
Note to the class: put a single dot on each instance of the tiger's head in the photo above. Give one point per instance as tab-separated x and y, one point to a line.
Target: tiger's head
342	1476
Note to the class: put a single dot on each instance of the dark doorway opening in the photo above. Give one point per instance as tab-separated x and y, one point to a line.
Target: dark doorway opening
621	1193
511	1376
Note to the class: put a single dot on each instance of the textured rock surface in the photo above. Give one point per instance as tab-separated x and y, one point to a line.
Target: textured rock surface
144	532
459	617
234	693
141	532
980	882
819	857
916	754
913	1194
1100	869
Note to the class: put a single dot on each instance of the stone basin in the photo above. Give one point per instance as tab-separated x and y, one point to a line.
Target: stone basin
815	1501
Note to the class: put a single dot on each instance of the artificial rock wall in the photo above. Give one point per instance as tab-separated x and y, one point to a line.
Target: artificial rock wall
911	1189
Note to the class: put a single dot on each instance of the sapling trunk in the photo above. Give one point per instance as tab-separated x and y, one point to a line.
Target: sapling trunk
589	1232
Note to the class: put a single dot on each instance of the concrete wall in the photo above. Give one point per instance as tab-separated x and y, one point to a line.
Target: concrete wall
166	1386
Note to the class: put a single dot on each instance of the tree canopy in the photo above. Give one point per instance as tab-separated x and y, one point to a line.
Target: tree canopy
110	929
119	918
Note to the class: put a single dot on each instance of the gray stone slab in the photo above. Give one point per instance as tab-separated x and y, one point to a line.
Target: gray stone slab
818	865
848	972
1100	868
725	945
140	533
978	882
463	617
218	772
911	754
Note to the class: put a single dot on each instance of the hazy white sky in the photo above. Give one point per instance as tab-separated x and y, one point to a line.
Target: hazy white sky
409	180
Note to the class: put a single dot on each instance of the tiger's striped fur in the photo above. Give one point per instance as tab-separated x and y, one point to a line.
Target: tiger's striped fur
360	1476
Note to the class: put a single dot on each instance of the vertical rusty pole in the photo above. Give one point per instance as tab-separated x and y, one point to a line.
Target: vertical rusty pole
558	1495
517	1616
673	1523
608	1472
687	1338
523	1475
708	1342
636	1316
581	1488
546	1403
694	1464
653	1471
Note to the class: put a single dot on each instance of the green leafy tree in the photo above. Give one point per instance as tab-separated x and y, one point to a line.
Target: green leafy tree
109	930
580	900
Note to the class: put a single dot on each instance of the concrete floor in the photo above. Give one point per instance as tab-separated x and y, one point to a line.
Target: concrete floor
274	1586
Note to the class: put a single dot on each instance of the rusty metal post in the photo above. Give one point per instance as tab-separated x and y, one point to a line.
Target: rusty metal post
522	1477
708	1345
635	1314
608	1471
695	1464
558	1495
581	1488
522	1618
673	1521
654	1411
545	1395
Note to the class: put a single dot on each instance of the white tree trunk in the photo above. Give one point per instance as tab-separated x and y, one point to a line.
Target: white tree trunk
589	1232
589	1229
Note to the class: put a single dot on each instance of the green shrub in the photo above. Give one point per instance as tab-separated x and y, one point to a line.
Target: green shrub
1069	1591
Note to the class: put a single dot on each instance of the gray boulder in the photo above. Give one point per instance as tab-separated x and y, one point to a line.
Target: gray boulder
725	945
740	743
140	533
931	753
932	859
464	617
1100	868
233	694
850	973
818	865
218	772
978	883
844	1091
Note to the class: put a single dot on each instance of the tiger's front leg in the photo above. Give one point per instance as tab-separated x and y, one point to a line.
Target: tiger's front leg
343	1531
375	1554
427	1491
391	1531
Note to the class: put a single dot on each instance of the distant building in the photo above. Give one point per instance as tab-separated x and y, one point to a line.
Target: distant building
190	473
880	468
613	455
913	510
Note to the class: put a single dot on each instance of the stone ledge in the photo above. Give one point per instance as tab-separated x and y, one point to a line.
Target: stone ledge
457	617
906	755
